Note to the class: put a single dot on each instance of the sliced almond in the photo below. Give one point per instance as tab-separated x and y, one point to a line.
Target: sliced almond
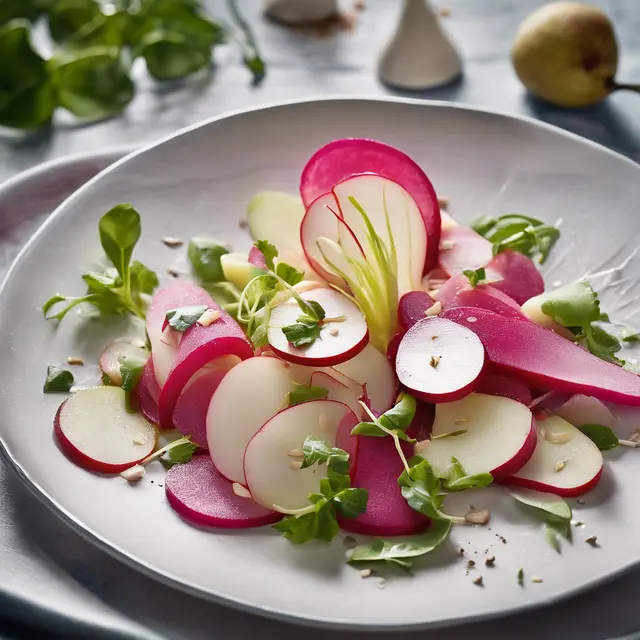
434	309
74	360
240	490
536	579
296	453
208	317
556	437
478	516
133	474
365	573
296	465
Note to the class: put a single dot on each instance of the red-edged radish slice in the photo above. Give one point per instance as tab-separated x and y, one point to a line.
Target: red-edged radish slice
344	158
233	417
422	423
96	431
412	308
580	409
439	363
164	342
532	309
343	334
495	435
521	280
148	393
565	461
392	349
271	455
457	292
462	248
545	360
199	493
338	392
497	384
114	351
378	470
199	346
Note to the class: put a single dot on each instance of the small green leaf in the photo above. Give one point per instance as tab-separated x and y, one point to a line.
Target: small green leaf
58	380
143	280
545	503
350	502
170	55
301	529
204	254
603	437
178	455
289	274
119	233
520	577
250	53
422	489
182	318
458	480
269	252
300	335
317	451
301	393
312	311
66	17
573	305
630	335
476	277
401	415
131	370
602	344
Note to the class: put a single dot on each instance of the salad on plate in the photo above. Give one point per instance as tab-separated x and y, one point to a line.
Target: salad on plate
367	358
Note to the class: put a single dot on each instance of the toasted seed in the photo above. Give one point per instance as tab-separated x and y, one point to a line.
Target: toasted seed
478	581
445	13
74	360
434	361
333	331
471	564
296	453
243	224
172	242
296	465
434	309
443	202
139	439
472	319
365	573
447	245
556	438
208	317
133	474
461	551
174	273
478	516
536	579
628	443
490	561
560	465
593	541
581	501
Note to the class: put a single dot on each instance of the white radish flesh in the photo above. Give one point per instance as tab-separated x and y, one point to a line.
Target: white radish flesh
250	394
495	435
339	392
438	362
581	409
121	348
97	432
276	483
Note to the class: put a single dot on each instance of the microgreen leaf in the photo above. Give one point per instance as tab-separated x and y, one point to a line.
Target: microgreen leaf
58	380
301	393
170	55
390	551
131	368
300	335
68	16
630	335
178	454
573	305
119	233
269	252
318	452
312	311
476	277
603	437
602	344
182	318
458	480
204	254
422	489
250	53
397	419
289	274
351	502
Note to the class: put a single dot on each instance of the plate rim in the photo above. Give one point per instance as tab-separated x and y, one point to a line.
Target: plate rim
167	577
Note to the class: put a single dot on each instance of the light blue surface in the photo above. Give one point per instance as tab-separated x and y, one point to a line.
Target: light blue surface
76	589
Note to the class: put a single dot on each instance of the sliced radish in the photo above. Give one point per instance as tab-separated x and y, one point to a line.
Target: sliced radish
148	393
521	280
344	158
565	461
490	434
232	419
121	348
392	349
164	342
497	384
545	360
200	345
438	362
96	430
412	307
338	392
377	471
276	217
462	248
458	292
580	409
199	493
276	483
343	333
422	423
299	261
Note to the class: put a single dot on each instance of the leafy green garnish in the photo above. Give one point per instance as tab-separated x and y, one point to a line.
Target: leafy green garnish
458	480
58	380
269	252
403	553
318	520
524	234
477	277
131	371
301	393
250	53
300	335
396	420
289	274
204	254
118	290
603	437
176	452
602	344
182	318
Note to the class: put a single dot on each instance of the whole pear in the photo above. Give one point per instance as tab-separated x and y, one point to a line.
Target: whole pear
567	54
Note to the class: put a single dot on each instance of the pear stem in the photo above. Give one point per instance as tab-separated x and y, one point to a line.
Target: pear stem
628	87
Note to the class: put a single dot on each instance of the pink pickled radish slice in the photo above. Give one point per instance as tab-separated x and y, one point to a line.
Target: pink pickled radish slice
497	384
521	279
148	393
462	248
412	307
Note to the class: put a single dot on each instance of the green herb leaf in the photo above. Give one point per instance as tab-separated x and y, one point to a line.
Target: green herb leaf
269	252
390	551
520	577
300	335
546	504
372	429
131	368
13	9
302	393
143	280
603	437
458	480
289	274
602	344
422	489
119	233
319	452
477	277
250	53
574	305
204	254
58	380
171	55
630	335
397	419
182	318
68	16
351	502
178	455
312	311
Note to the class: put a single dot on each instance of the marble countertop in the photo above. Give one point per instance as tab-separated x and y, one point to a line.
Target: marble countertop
98	597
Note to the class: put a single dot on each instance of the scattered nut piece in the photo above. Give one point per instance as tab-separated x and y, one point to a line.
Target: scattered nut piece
240	490
434	337
577	523
243	224
74	360
434	361
478	516
460	551
434	309
172	243
536	579
628	443
560	465
133	474
174	273
471	564
139	439
296	453
445	13
581	501
478	581
208	317
593	541
333	331
556	283
443	202
365	573
296	465
635	436
490	561
555	437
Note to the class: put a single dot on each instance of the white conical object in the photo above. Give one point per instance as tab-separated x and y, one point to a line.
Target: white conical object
296	11
420	55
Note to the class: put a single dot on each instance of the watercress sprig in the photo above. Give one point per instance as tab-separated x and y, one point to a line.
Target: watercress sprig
394	421
301	393
58	380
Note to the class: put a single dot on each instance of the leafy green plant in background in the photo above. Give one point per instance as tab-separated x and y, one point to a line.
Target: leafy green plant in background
95	45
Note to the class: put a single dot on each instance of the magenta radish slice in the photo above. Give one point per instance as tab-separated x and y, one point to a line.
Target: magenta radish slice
439	363
412	307
343	333
545	360
392	349
200	345
457	292
344	158
521	280
199	493
490	434
378	470
116	350
498	384
232	419
148	393
96	431
462	248
164	342
565	461
422	423
273	477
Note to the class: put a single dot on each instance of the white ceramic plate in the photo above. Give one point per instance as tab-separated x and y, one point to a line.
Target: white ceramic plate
200	180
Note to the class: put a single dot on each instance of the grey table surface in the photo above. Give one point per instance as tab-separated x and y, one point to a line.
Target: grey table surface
74	589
